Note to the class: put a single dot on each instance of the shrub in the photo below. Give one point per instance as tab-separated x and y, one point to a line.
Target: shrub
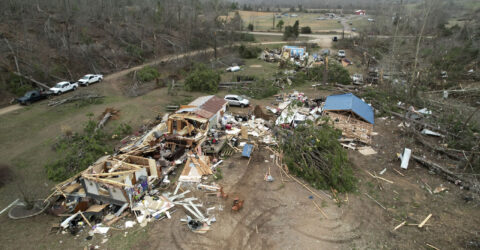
259	89
147	73
15	86
306	30
336	73
202	79
314	154
77	152
250	27
248	52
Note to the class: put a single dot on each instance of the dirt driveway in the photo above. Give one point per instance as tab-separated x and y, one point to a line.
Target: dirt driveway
276	215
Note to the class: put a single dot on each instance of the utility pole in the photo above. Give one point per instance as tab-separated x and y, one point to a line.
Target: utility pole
273	24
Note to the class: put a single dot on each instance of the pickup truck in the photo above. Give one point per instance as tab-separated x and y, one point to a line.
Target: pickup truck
33	96
63	87
88	79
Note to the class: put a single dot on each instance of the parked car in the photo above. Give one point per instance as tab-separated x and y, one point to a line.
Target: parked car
335	39
33	96
354	29
236	100
371	20
341	53
63	87
89	79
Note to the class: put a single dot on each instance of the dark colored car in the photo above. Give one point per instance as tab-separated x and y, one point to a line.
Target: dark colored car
33	96
334	39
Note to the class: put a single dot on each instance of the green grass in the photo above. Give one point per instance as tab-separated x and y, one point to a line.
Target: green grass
263	21
265	71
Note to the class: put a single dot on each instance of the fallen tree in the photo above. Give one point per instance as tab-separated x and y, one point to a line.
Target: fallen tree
314	153
77	97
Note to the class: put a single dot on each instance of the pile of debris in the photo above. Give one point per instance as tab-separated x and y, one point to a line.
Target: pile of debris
132	178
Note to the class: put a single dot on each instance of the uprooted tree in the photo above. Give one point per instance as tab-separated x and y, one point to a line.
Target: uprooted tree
314	153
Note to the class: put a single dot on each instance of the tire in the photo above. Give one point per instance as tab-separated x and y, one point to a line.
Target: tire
242	106
86	84
74	88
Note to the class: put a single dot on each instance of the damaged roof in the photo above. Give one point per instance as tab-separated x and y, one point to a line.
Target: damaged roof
208	106
352	103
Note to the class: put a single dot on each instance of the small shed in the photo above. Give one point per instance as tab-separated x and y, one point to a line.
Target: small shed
351	115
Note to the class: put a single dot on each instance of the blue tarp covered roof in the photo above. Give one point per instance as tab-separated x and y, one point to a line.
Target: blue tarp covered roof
350	102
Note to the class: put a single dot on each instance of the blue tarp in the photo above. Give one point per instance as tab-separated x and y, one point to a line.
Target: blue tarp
247	150
350	102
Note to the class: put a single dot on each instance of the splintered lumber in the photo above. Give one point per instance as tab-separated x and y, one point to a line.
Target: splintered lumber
398	172
378	177
117	218
400	225
85	218
371	198
424	221
320	209
430	245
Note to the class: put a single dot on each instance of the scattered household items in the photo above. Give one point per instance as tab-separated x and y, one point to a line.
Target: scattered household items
237	204
405	158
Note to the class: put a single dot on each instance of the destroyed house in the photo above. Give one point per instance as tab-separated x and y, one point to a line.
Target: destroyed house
351	115
113	180
210	107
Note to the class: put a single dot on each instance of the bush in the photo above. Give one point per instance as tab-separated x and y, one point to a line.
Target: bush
202	79
250	27
259	89
314	154
147	73
336	73
15	86
306	30
77	152
249	52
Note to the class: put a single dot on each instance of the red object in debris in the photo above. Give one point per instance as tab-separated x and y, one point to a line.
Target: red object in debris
228	126
237	204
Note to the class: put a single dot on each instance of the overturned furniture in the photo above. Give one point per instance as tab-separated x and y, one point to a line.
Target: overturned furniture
351	115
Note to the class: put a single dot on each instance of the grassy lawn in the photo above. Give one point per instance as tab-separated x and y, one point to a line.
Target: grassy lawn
268	38
263	21
252	67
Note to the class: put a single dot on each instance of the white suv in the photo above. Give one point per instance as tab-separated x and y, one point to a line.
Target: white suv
63	87
341	53
236	100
